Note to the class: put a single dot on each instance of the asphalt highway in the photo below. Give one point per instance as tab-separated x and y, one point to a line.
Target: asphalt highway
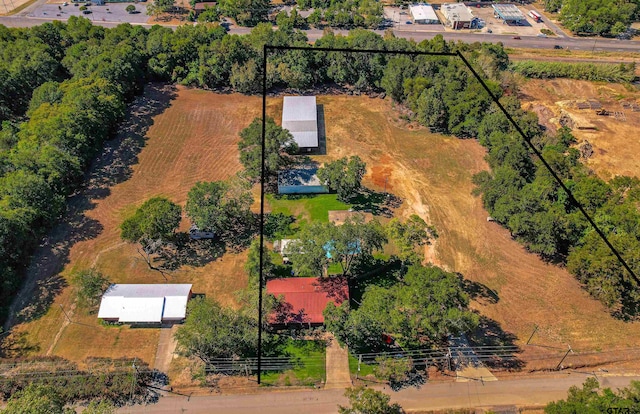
416	32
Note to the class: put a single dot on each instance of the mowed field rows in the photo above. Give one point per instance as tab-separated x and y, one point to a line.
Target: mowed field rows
186	136
192	135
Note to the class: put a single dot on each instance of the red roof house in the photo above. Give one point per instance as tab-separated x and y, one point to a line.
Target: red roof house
305	298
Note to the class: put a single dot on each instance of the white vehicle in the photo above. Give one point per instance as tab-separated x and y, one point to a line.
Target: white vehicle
196	234
535	16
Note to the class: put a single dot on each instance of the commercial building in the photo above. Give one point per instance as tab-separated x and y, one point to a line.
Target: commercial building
145	303
300	117
457	15
423	13
508	13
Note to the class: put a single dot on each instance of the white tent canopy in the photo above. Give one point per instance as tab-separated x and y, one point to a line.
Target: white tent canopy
145	303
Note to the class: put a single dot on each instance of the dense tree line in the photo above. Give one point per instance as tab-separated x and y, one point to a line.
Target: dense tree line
605	72
601	17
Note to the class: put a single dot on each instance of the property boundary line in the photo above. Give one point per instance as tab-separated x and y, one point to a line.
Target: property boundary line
266	49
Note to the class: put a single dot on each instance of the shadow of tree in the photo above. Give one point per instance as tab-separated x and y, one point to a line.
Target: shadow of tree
478	292
16	345
414	378
186	252
489	333
112	166
376	203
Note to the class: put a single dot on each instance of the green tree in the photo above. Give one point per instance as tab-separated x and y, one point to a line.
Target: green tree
407	236
223	207
211	331
590	399
394	370
35	399
422	309
368	401
252	266
130	8
100	407
90	285
279	145
153	223
344	176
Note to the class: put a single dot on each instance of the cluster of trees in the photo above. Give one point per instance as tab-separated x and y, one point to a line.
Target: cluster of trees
112	381
343	176
62	93
320	244
367	400
40	399
420	310
90	285
601	17
343	13
604	72
590	399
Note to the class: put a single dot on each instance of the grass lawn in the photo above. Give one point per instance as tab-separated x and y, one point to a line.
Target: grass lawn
365	369
307	207
309	365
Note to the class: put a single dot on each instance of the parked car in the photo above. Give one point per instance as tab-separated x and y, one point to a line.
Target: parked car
542	35
489	31
516	37
557	47
86	11
408	22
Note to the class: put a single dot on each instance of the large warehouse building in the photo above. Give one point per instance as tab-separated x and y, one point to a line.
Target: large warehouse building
300	117
458	15
509	13
423	14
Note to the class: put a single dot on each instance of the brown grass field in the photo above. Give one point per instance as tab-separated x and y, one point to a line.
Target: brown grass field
615	142
189	135
186	136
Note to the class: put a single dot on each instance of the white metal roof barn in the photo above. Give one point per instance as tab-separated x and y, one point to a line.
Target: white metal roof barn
423	13
300	117
145	303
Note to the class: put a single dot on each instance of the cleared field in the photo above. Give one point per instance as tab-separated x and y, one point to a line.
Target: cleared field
432	174
176	137
613	140
173	138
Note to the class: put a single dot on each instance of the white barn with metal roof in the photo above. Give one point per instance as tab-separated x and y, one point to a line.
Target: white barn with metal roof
145	303
423	13
300	117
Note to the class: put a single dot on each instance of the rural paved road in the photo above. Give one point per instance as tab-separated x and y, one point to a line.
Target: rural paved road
415	32
435	396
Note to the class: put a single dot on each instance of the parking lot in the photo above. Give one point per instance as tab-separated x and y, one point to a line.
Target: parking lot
402	21
110	12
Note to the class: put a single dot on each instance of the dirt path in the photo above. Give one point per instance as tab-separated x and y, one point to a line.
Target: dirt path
166	348
337	365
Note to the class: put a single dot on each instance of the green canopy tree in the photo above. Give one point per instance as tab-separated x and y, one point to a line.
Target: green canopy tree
591	399
368	401
343	176
279	146
36	399
90	285
409	235
153	223
221	206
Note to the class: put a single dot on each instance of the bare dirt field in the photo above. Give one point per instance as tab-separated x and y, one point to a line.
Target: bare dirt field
614	140
432	174
9	6
173	138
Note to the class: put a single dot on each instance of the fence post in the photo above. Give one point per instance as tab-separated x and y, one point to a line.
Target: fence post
359	362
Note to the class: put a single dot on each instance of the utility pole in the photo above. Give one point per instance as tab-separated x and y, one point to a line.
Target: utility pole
535	329
563	358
